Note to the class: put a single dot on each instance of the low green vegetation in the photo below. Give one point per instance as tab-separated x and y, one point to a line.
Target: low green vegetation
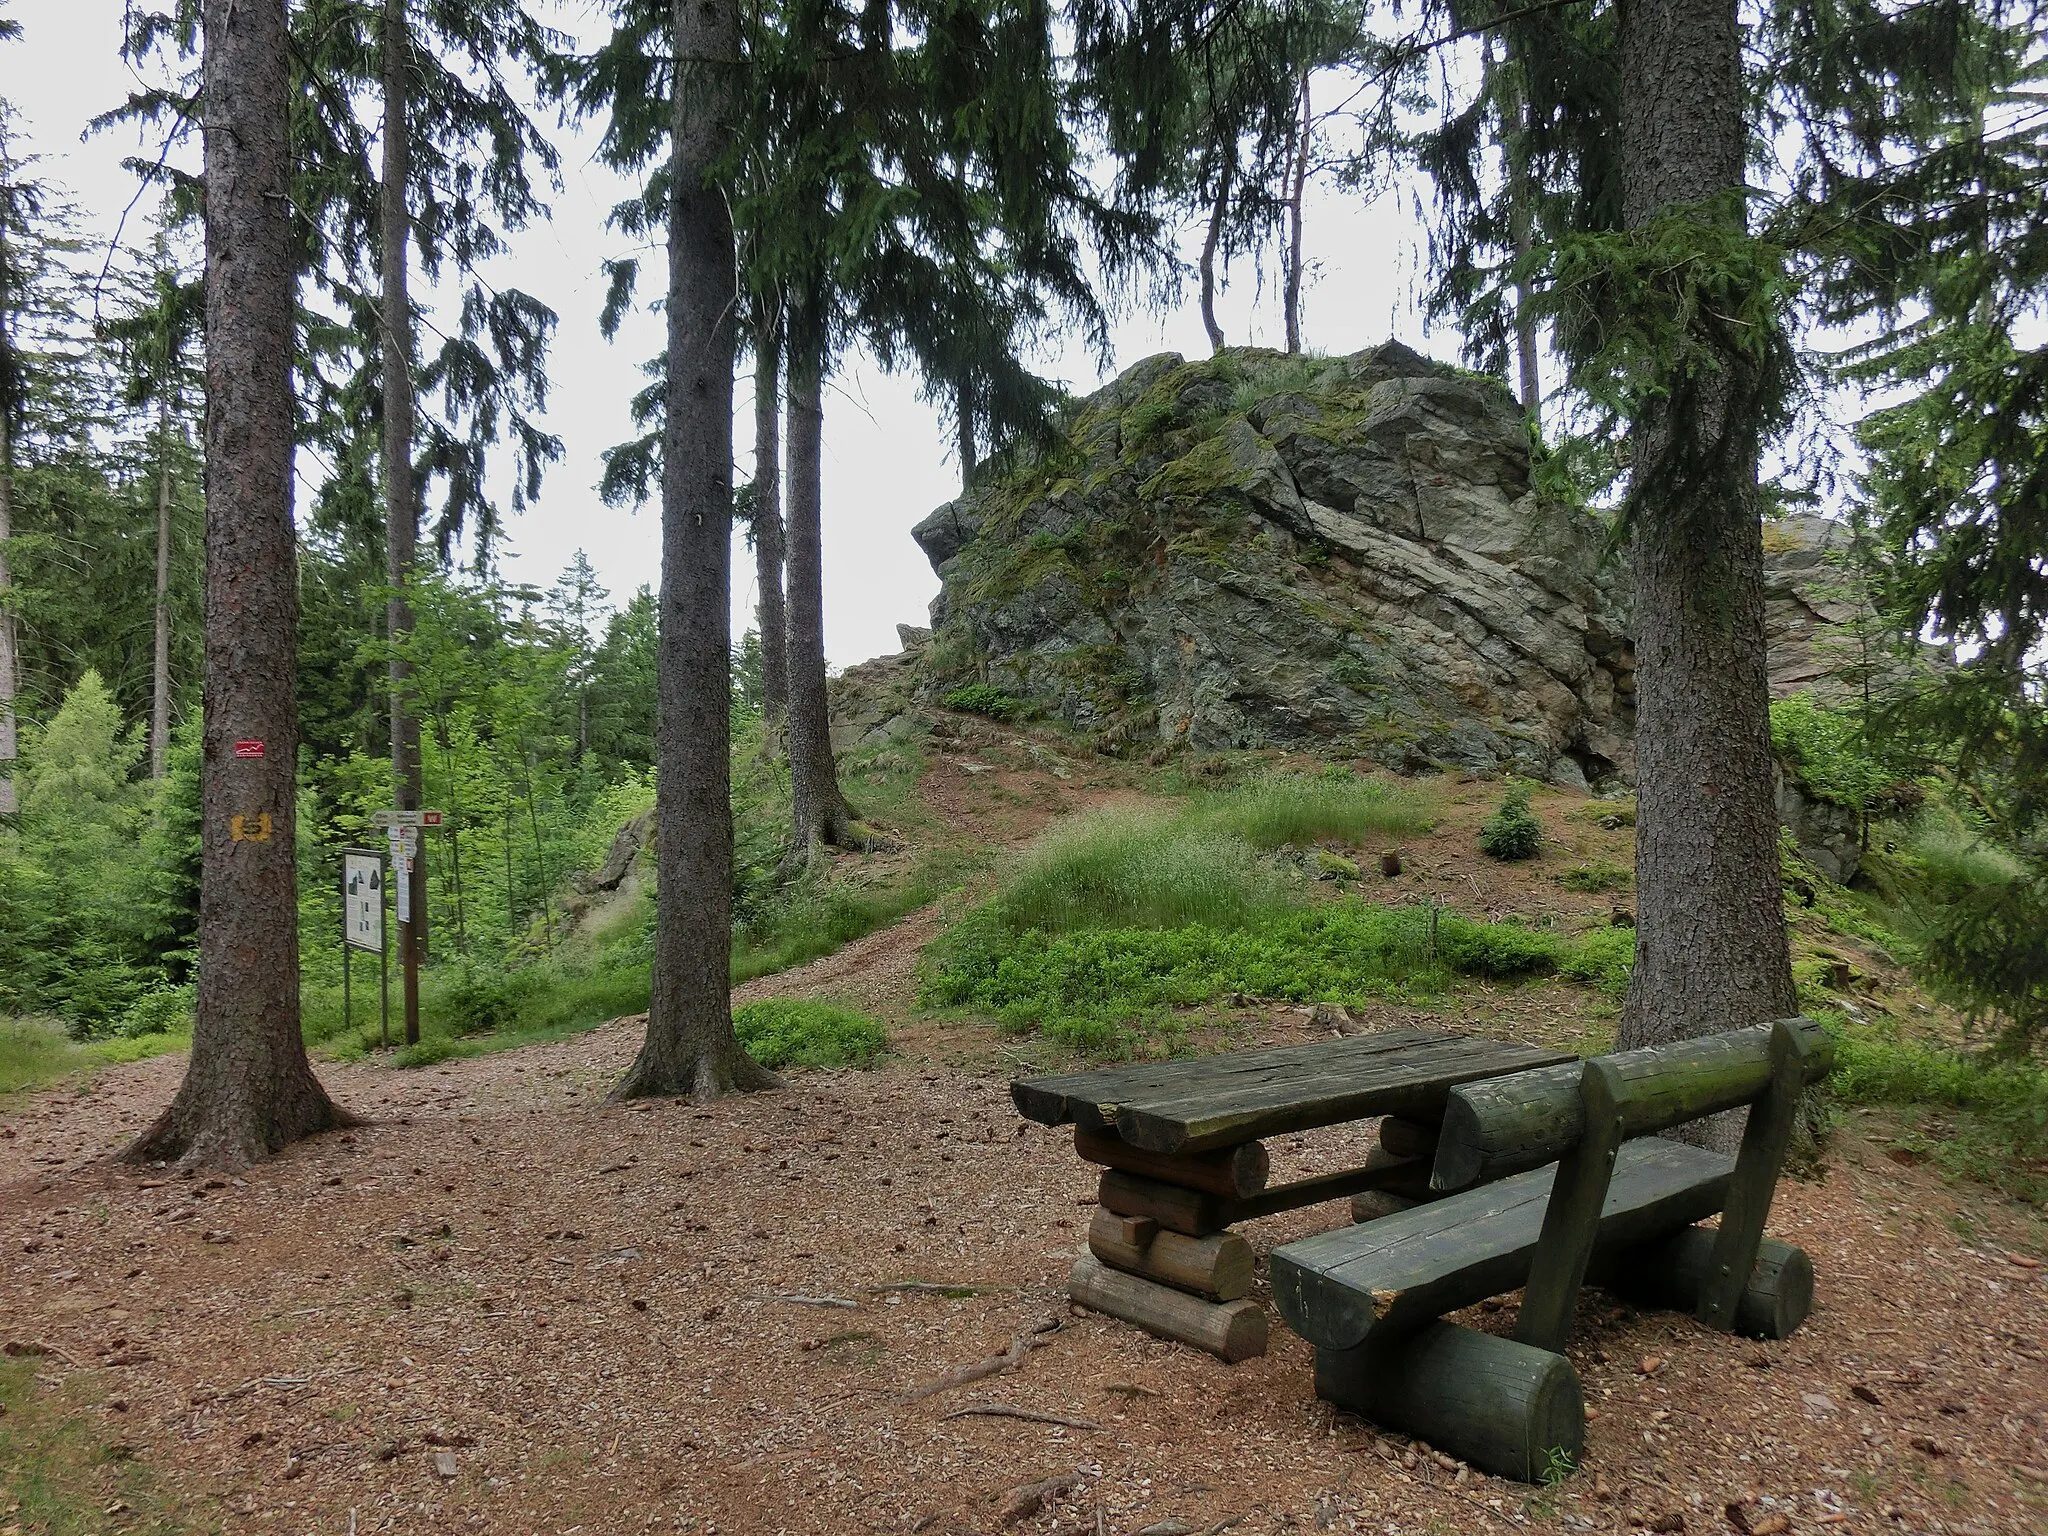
1828	751
1279	810
1106	989
34	1053
1512	832
65	1470
1973	1115
782	1032
984	699
1601	875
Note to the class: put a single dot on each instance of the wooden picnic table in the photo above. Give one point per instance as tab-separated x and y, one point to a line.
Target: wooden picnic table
1180	1145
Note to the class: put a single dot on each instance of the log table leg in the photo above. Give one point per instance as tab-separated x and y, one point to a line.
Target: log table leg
1231	1330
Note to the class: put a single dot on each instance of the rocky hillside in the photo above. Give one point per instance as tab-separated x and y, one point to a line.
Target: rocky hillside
1337	553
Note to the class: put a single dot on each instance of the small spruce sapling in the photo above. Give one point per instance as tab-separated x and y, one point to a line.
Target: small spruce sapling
1512	832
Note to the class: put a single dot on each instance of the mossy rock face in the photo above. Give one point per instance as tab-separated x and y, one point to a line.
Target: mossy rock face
1255	550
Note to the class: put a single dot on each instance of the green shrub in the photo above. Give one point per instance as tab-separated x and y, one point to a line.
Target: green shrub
1495	949
1599	876
983	699
1512	832
1291	809
479	999
1992	1114
163	1011
1826	752
1603	958
783	1032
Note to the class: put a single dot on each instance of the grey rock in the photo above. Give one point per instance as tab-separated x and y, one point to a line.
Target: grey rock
1344	554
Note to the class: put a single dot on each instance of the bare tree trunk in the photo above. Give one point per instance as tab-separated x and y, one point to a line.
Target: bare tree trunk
10	657
819	810
10	664
771	614
248	1089
1210	242
401	502
1711	951
1297	187
690	1047
1520	195
160	668
963	415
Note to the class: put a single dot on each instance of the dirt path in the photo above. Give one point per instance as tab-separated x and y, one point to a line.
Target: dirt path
506	1306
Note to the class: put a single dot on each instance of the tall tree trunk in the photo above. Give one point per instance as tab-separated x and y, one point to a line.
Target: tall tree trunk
1711	951
819	809
10	659
248	1088
1210	242
160	668
963	414
690	1047
771	614
1520	195
1297	187
401	503
10	665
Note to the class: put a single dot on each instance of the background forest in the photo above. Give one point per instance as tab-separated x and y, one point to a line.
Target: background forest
1904	209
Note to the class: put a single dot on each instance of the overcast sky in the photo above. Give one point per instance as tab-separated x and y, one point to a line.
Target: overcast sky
887	457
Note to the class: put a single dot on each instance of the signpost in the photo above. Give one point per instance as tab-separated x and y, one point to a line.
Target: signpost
362	927
402	832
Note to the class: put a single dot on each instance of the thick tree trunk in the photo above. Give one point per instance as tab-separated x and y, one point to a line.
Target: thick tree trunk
160	665
690	1047
1297	188
401	502
770	614
10	666
1711	951
819	810
1210	242
248	1088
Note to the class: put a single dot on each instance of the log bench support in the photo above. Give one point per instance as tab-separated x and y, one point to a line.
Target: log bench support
1163	1220
1618	1208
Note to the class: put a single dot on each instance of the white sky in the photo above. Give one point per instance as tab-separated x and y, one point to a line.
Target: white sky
887	457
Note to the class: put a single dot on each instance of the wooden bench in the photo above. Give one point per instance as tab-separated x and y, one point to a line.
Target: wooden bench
1179	1143
1615	1203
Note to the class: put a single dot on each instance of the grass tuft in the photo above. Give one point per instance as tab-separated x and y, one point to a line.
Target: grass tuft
1283	810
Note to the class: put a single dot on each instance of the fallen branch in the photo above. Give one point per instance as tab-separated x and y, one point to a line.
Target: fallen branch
1022	1503
994	1365
1029	1415
934	1287
819	1301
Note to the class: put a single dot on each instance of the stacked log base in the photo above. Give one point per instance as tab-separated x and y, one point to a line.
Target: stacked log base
1218	1266
1231	1330
1231	1172
1372	1204
1507	1408
1672	1272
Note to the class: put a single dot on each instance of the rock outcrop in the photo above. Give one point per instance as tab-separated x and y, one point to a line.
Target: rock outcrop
1346	554
1342	553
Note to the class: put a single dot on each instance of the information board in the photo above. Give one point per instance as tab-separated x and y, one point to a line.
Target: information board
362	895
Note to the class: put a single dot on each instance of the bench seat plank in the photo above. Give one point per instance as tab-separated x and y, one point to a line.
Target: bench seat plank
1406	1269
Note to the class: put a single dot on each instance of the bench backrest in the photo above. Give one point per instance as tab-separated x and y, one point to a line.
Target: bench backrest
1580	1114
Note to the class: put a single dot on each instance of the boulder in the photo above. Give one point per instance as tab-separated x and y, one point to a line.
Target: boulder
1345	554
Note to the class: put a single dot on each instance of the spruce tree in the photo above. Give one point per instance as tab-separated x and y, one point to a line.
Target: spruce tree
248	1089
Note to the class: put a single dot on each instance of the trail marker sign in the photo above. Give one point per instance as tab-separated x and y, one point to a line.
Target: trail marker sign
362	895
406	818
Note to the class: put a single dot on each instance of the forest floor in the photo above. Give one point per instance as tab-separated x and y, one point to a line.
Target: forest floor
506	1305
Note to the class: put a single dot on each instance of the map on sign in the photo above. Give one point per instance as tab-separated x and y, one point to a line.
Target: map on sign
362	900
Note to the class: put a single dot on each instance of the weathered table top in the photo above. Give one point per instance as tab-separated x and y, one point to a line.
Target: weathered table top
1199	1102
